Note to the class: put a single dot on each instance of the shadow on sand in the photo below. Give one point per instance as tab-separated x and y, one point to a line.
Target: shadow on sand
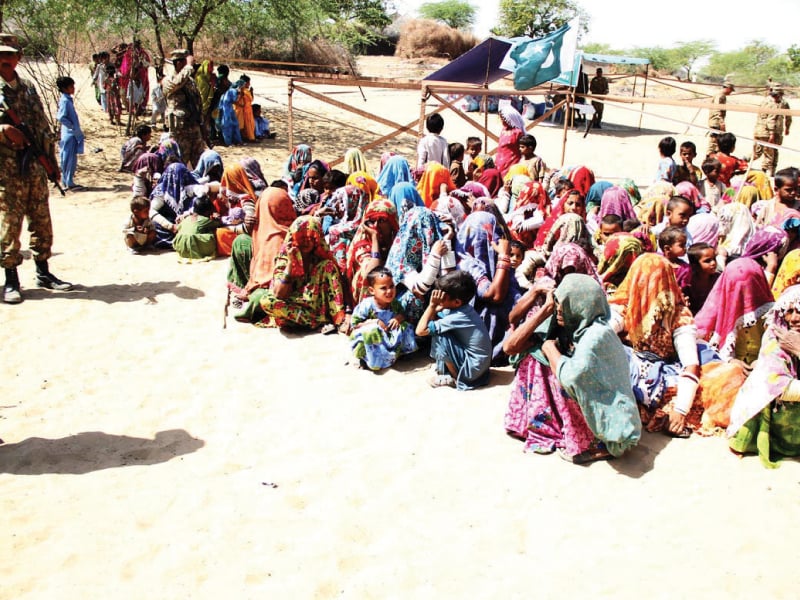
119	292
93	451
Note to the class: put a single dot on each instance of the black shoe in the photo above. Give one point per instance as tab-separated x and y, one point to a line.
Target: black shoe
11	292
51	282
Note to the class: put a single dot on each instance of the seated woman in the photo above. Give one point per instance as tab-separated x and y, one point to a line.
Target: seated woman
294	170
370	247
788	273
253	256
619	252
254	174
414	259
765	417
354	161
146	170
395	171
345	210
171	200
209	166
582	340
405	196
306	289
538	412
732	322
312	179
195	238
235	191
483	252
650	309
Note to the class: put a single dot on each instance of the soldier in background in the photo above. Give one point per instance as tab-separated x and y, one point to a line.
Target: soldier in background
716	116
771	128
599	87
184	107
23	180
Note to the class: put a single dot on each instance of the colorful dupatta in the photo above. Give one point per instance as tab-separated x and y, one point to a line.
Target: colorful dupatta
434	176
274	215
788	273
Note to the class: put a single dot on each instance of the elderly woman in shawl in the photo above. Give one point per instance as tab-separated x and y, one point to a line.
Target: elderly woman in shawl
395	171
415	257
370	246
253	256
171	200
732	321
435	182
306	289
765	417
649	308
483	252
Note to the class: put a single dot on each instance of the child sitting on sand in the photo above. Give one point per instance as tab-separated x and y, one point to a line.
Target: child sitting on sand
134	148
381	333
460	343
139	229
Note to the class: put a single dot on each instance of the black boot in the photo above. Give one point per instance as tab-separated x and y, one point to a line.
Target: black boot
45	279
11	293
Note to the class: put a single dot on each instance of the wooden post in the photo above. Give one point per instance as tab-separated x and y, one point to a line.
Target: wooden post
423	99
291	116
644	93
567	109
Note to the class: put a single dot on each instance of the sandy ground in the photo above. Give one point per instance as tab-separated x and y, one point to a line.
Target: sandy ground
152	452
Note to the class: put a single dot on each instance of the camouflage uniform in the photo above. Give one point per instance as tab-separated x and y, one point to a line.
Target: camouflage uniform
770	125
24	194
184	107
598	86
716	120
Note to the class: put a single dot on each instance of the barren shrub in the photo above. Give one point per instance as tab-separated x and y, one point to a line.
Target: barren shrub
423	37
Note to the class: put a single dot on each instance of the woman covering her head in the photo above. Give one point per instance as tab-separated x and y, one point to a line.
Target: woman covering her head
312	179
435	181
405	196
736	227
235	191
704	228
296	165
651	310
354	161
254	173
765	417
394	172
619	252
364	181
350	202
209	165
508	152
171	199
144	170
492	179
616	201
482	250
414	259
306	289
788	274
253	256
371	244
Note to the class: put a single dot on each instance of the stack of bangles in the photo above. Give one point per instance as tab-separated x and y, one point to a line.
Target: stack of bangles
503	261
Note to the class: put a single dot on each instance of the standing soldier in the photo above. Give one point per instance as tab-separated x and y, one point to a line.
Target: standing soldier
716	116
184	107
599	87
26	145
771	128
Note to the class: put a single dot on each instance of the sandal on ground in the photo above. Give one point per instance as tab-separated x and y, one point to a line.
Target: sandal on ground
328	329
682	434
442	381
585	457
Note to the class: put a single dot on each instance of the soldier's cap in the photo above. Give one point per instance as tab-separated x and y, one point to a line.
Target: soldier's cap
9	43
179	54
728	84
776	89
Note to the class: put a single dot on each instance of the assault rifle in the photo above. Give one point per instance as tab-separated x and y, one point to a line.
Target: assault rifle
33	149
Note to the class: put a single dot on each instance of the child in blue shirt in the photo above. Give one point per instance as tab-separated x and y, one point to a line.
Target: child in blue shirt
71	135
666	165
460	343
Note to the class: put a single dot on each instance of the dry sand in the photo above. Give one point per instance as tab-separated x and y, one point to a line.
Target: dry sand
152	453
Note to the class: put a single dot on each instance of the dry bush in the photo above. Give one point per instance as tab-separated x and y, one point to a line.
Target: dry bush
423	37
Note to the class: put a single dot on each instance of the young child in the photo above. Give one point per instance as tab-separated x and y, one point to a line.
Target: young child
678	212
457	173
697	280
262	124
711	188
381	333
113	101
195	239
516	253
71	135
609	225
433	147
139	229
536	167
134	147
672	243
159	104
666	164
730	165
99	79
472	151
460	343
688	152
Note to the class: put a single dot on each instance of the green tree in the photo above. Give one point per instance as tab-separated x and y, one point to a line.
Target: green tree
458	14
794	57
688	53
752	65
536	19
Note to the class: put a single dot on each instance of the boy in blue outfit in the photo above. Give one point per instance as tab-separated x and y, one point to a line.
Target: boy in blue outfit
460	343
71	135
